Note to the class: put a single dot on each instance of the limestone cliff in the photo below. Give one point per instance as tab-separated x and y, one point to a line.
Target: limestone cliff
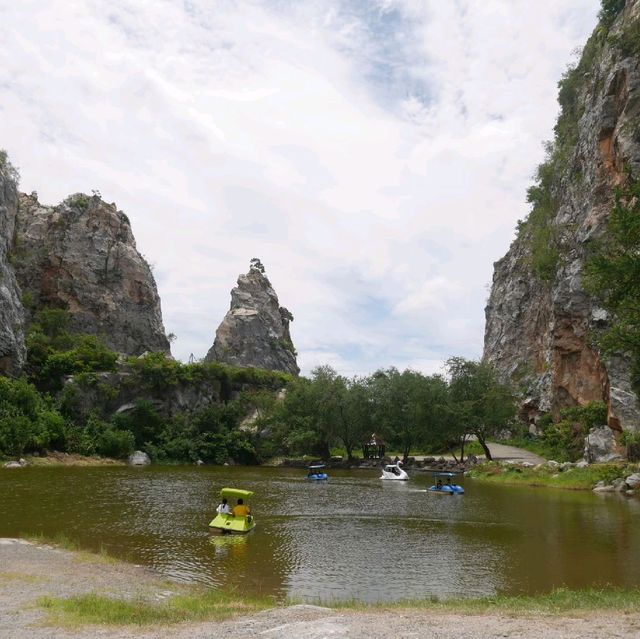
540	322
255	331
81	255
12	349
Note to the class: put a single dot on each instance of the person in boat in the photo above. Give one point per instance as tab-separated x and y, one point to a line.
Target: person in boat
439	484
223	508
240	510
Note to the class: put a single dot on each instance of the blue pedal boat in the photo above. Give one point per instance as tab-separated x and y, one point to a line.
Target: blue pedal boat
443	485
316	473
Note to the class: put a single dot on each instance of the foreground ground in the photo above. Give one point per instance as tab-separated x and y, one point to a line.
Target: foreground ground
31	571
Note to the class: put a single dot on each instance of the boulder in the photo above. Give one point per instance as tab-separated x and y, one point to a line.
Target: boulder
13	464
619	485
633	481
603	488
582	464
600	446
139	458
553	464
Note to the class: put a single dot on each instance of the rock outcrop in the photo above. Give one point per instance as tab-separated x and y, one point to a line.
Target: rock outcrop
81	255
255	331
540	321
12	348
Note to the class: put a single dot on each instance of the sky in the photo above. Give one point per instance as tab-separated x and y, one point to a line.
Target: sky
373	154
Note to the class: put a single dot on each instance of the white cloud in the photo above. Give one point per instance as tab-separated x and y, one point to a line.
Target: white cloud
374	155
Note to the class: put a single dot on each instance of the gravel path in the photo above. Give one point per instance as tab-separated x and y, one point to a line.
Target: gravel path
28	571
500	452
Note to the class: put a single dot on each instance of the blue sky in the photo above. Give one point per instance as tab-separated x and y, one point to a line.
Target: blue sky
374	155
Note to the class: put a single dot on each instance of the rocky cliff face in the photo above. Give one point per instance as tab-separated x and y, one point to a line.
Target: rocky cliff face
81	255
12	348
539	320
255	331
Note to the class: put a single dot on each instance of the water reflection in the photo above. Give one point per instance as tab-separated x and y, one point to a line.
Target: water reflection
354	537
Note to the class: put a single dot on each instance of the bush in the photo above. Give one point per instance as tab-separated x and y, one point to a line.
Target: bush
53	352
115	443
27	422
632	442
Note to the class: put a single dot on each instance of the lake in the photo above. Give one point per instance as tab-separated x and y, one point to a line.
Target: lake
351	538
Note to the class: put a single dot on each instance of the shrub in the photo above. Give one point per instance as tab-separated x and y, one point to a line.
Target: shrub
115	443
632	442
27	422
609	11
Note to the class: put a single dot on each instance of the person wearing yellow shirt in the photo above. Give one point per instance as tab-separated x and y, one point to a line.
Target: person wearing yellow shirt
240	510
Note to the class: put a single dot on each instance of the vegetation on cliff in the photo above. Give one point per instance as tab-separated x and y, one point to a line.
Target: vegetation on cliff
613	274
544	237
40	411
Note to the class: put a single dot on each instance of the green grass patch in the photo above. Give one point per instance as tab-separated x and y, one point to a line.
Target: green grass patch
572	479
210	605
558	601
216	606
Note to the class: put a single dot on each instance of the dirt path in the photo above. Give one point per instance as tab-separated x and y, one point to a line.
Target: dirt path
500	452
29	571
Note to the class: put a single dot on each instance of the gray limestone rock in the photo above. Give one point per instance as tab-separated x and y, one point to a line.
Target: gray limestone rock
81	255
255	331
139	458
600	445
539	332
633	481
12	347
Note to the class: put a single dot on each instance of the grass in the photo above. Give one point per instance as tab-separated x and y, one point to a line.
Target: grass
217	606
558	601
93	608
573	479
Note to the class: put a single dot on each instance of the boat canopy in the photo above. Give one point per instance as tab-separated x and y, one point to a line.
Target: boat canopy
444	474
235	493
316	466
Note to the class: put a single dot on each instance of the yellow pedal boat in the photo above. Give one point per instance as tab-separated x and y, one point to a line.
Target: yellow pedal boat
229	523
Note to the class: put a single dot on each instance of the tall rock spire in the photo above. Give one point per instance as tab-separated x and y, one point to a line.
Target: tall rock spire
255	331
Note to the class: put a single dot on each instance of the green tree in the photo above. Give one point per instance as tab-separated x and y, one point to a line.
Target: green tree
409	406
613	275
480	404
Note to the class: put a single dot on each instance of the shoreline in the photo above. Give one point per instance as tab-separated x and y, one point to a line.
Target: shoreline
43	588
601	477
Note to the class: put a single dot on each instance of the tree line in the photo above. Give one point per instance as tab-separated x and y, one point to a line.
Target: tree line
408	409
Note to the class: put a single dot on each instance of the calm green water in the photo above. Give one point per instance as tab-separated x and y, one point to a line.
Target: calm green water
354	537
